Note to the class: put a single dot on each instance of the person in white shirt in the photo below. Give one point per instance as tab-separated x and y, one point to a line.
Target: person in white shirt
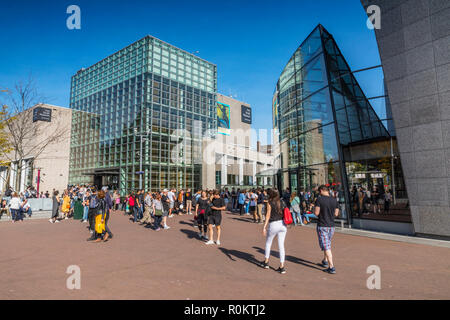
171	195
14	207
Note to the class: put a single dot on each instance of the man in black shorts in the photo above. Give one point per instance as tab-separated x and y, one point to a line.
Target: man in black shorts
215	218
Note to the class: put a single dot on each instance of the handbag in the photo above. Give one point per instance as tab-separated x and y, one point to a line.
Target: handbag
99	224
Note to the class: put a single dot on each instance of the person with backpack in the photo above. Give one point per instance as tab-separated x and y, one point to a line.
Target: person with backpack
327	208
92	212
132	203
101	212
157	212
274	226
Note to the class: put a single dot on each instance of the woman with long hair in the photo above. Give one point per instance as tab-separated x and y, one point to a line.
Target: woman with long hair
201	215
55	208
274	227
14	207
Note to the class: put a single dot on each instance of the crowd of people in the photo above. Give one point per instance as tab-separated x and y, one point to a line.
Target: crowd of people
375	200
154	209
16	206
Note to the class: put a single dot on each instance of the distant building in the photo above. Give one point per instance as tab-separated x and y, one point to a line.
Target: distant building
229	159
50	161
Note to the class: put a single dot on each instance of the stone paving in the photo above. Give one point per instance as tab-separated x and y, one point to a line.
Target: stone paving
139	263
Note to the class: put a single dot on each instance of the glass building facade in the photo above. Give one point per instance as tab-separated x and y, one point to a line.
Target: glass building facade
328	131
139	118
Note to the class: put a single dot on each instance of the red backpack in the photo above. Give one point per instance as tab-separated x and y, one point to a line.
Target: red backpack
287	216
131	201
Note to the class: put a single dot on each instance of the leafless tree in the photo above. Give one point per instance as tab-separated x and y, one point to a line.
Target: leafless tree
27	140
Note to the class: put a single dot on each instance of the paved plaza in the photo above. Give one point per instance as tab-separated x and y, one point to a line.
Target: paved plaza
139	263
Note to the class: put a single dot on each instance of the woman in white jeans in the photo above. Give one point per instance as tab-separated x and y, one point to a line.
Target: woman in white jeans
276	227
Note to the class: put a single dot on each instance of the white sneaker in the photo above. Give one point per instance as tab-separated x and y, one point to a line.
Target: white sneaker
218	242
66	218
166	227
57	221
209	242
50	220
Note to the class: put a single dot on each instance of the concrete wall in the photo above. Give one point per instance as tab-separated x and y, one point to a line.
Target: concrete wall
414	44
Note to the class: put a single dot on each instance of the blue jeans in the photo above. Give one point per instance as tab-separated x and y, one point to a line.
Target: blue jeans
309	215
296	216
141	212
16	214
85	212
135	213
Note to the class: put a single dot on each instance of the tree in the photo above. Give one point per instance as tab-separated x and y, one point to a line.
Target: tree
24	139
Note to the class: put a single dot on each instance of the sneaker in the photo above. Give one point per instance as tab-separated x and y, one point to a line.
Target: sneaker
51	221
264	265
157	229
281	270
209	242
166	227
66	218
331	270
57	221
324	264
218	242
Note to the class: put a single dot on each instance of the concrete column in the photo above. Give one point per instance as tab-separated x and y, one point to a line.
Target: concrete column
265	178
254	172
224	167
241	171
12	176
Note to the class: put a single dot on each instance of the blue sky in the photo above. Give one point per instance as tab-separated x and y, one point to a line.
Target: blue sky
250	41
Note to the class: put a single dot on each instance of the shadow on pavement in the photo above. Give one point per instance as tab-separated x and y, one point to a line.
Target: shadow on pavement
190	234
292	259
239	254
187	223
243	219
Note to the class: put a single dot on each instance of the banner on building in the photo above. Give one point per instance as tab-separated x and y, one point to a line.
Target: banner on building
42	114
223	118
246	114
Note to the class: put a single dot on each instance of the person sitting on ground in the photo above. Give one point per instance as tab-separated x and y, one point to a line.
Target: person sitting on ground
26	208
